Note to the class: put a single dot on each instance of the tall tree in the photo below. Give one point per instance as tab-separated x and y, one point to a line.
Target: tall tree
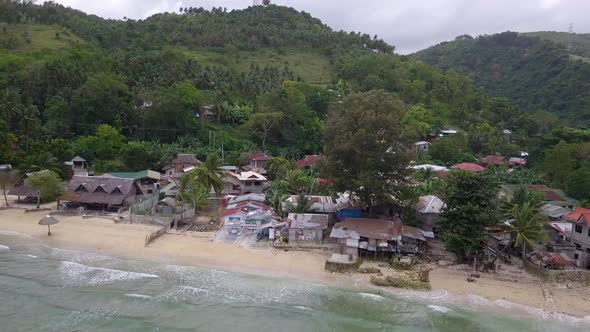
364	147
470	206
8	180
262	125
48	184
526	227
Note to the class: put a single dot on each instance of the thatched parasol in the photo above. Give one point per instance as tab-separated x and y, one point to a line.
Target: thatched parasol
48	220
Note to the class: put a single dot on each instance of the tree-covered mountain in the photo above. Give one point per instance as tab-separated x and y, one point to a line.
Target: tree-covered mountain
535	73
577	44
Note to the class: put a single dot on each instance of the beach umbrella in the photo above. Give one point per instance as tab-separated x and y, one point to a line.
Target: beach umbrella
48	220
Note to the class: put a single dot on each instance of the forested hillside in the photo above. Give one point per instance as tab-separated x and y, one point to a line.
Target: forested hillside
536	74
128	95
577	44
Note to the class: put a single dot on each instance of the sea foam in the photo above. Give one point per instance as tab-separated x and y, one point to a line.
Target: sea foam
438	308
80	273
32	256
372	296
4	248
138	296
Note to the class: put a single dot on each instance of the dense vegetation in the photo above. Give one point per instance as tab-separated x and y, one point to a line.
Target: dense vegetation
128	95
577	44
536	74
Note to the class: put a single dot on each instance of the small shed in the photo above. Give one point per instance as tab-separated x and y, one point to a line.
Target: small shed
427	210
307	228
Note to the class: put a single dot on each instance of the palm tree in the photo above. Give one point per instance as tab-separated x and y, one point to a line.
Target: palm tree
297	180
209	175
302	205
527	226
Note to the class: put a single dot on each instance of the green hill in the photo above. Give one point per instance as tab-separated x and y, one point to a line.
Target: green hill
535	73
30	38
580	43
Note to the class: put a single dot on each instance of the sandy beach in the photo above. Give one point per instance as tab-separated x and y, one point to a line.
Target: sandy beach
195	249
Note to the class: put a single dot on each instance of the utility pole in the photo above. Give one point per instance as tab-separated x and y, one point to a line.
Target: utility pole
570	37
256	3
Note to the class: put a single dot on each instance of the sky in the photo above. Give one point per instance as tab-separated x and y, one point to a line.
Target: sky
409	25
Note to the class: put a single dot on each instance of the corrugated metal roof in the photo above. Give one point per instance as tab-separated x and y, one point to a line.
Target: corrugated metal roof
308	221
429	204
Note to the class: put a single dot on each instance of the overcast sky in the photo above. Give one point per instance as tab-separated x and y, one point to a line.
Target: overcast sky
410	25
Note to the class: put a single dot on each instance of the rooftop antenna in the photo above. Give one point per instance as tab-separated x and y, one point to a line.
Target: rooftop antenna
570	37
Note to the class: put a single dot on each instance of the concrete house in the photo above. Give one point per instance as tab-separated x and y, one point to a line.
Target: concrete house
580	236
422	146
257	162
427	210
258	198
183	163
242	183
241	218
307	228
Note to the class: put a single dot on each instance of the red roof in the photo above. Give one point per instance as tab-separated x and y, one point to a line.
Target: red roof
259	156
492	160
232	212
309	161
469	167
579	215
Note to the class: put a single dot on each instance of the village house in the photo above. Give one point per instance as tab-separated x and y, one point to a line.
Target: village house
422	146
170	189
324	205
257	162
580	236
242	183
78	165
101	192
183	163
5	167
551	260
309	161
549	195
447	132
23	191
470	167
428	209
248	206
378	238
307	228
492	160
242	218
148	181
258	198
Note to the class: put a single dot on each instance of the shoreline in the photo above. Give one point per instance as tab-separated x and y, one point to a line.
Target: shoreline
194	249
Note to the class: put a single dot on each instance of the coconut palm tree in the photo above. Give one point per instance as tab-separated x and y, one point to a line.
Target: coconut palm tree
527	226
297	180
302	205
209	175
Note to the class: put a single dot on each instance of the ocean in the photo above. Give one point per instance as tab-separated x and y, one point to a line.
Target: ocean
51	289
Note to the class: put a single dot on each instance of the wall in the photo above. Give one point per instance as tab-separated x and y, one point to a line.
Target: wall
153	236
150	220
305	236
558	275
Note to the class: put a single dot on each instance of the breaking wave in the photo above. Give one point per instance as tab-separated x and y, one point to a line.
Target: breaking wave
138	296
438	308
372	296
4	248
90	275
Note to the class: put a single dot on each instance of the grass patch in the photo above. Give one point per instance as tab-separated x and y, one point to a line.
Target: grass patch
311	65
31	38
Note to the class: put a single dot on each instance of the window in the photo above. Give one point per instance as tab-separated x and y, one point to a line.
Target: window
588	231
576	256
248	184
578	247
579	229
588	250
256	183
235	187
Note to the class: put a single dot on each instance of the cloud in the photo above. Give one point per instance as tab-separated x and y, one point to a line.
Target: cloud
410	25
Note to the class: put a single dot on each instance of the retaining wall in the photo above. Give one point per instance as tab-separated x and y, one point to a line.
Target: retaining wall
558	275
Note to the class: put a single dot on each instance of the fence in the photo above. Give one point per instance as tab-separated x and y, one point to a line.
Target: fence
161	219
145	205
153	236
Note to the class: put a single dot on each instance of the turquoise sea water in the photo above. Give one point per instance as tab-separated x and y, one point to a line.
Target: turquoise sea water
50	289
